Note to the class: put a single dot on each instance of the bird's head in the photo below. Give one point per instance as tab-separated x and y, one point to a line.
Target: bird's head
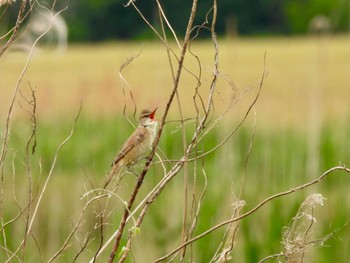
147	117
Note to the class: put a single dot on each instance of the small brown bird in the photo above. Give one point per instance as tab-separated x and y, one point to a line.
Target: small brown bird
137	145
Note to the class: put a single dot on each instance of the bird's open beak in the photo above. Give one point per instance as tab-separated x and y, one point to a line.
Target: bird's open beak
153	113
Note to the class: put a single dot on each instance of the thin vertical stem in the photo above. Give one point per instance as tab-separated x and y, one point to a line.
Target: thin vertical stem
159	133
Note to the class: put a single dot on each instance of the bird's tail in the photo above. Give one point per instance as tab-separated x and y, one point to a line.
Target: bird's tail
115	169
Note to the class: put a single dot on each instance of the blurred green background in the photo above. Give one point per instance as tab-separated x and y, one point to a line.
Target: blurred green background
300	126
91	20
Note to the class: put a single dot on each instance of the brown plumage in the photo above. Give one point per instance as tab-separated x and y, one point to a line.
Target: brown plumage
137	145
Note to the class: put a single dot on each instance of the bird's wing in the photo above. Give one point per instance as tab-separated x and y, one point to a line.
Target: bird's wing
136	138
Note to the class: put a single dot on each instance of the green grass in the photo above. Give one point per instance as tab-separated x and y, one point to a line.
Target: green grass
277	162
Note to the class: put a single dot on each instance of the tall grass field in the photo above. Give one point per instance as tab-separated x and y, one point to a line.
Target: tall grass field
298	129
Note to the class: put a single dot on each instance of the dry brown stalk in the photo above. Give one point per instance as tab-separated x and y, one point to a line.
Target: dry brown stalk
257	207
150	158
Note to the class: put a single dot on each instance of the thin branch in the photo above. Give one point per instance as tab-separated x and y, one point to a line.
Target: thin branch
65	243
14	96
168	24
230	235
125	83
16	28
257	207
43	191
146	21
6	133
247	157
278	255
251	107
150	158
32	138
183	129
198	206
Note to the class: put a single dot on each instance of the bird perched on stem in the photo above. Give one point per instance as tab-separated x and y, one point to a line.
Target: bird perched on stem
137	145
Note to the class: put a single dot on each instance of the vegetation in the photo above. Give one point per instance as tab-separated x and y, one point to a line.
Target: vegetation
278	161
222	182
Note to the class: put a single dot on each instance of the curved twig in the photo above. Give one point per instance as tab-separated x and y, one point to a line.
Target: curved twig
257	207
150	157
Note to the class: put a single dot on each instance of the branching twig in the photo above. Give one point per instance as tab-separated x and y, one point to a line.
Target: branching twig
257	207
125	83
6	133
21	14
150	158
36	208
31	140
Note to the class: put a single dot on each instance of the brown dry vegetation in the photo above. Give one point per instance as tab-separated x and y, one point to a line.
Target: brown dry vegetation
306	76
